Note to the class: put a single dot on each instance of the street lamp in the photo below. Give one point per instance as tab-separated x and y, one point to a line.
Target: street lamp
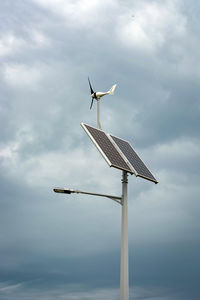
119	154
123	200
71	191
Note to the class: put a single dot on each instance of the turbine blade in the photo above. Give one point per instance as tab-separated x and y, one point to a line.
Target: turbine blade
91	103
91	90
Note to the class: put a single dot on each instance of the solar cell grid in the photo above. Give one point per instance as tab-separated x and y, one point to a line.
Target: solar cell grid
134	159
106	147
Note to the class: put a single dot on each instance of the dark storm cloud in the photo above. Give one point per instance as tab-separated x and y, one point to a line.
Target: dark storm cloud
52	246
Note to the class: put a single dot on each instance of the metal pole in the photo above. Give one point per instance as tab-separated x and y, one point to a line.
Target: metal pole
124	273
98	114
71	191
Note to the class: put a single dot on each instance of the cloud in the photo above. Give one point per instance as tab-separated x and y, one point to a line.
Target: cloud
26	290
9	44
21	75
78	13
151	24
22	291
38	38
180	156
53	245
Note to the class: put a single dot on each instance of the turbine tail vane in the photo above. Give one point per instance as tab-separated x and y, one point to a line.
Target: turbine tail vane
111	91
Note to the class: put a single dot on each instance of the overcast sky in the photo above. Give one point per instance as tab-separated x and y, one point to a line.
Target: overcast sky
68	247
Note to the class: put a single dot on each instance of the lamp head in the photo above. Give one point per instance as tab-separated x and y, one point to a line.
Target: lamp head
63	190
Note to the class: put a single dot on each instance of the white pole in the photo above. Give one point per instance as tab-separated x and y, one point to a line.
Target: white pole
124	273
98	114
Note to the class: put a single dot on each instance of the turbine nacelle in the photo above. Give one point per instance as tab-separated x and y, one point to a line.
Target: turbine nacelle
94	96
98	95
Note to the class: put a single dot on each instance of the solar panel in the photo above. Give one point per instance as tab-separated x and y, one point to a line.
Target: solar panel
118	153
107	149
137	164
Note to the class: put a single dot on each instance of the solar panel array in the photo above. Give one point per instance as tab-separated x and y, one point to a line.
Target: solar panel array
118	153
137	164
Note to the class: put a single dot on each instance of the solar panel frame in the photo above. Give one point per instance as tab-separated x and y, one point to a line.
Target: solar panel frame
142	171
112	156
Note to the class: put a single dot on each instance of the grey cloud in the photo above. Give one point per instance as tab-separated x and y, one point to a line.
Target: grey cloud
49	241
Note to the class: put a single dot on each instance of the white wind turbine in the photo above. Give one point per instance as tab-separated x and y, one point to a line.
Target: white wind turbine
97	96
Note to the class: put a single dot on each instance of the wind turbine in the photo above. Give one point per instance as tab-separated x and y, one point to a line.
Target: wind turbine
119	154
97	96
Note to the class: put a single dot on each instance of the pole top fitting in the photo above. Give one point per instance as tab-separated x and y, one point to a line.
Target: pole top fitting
125	177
